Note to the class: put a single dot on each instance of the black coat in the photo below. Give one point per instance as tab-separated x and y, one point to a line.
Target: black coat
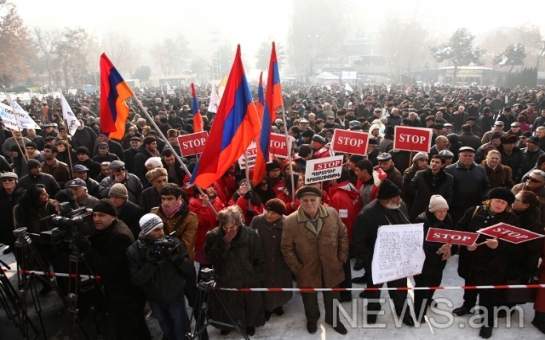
424	185
524	262
434	264
51	185
529	160
94	167
484	266
130	214
238	264
470	187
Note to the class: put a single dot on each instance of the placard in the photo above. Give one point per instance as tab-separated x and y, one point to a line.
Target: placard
351	142
462	238
278	146
509	233
398	252
193	143
323	169
251	155
412	139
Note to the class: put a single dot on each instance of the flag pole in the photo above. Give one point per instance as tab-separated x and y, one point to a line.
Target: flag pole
288	143
178	158
68	147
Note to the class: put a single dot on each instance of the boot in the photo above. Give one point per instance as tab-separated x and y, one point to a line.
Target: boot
539	321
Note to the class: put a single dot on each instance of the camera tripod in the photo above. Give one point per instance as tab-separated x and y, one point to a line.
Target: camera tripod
15	307
200	311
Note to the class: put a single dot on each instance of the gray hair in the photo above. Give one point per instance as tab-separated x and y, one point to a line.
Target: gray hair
231	214
155	162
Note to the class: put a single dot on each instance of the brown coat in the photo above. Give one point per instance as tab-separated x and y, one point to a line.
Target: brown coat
312	254
499	177
185	223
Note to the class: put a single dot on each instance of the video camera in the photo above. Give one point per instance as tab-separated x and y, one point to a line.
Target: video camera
158	247
68	224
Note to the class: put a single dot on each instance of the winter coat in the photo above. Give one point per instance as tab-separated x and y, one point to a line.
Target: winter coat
51	185
372	216
345	198
433	264
395	176
94	167
128	159
142	155
499	177
315	256
529	159
277	272
113	147
484	266
514	161
386	144
469	139
185	223
540	193
58	170
161	282
424	184
288	200
85	137
130	214
131	182
207	221
7	203
238	264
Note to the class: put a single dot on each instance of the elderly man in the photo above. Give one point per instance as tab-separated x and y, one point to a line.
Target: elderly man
127	211
315	247
386	164
79	188
386	209
471	184
151	197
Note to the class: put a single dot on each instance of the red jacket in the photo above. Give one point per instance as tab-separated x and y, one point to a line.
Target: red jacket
287	199
345	198
322	153
226	187
207	221
242	203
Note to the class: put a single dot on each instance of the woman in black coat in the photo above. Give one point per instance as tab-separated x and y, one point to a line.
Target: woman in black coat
437	254
485	262
10	193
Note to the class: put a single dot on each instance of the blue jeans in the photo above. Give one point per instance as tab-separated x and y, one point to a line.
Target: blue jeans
172	318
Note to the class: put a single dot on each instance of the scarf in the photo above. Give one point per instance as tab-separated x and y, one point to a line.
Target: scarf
171	211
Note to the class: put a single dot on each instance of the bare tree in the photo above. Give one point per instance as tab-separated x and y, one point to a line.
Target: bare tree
121	51
47	42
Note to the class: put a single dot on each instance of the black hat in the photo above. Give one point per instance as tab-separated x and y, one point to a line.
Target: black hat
438	126
509	139
105	206
496	135
273	165
33	164
384	156
308	190
533	140
136	138
471	118
466	148
387	190
319	139
83	150
502	194
307	133
276	205
527	134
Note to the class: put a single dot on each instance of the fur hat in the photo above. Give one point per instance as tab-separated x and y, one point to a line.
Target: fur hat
502	194
152	175
509	139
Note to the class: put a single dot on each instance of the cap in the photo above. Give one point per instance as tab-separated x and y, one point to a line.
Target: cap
446	153
83	150
509	139
80	168
515	124
136	138
499	123
466	148
437	202
308	190
419	156
354	123
319	139
78	182
102	145
384	157
116	165
303	121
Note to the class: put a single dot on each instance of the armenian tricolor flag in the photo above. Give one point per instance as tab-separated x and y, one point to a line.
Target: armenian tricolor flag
264	136
198	123
274	88
235	125
113	93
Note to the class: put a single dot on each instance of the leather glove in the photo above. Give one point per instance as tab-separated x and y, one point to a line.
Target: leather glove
153	256
82	244
248	194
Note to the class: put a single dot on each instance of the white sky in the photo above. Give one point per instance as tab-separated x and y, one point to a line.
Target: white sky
251	22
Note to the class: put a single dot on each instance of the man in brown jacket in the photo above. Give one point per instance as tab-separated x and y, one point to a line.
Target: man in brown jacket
54	167
315	247
176	217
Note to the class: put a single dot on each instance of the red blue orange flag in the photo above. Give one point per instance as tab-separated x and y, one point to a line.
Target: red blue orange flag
264	136
273	96
235	125
113	93
198	123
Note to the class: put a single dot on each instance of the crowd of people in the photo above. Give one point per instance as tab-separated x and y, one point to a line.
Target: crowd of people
486	165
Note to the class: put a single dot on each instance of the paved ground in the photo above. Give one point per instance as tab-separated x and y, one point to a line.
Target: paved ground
441	324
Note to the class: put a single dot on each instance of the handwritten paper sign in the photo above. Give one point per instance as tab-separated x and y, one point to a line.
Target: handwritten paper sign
398	252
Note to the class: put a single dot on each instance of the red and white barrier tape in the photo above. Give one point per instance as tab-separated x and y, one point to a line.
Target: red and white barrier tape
311	290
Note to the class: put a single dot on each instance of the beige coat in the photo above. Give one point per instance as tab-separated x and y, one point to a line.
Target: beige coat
311	253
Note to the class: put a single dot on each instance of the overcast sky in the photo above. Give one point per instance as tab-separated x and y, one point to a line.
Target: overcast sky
250	22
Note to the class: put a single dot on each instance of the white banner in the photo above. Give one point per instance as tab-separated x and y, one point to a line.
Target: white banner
6	113
398	252
214	100
69	117
20	118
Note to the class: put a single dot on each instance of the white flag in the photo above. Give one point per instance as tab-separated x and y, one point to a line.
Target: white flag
214	100
69	117
347	87
21	118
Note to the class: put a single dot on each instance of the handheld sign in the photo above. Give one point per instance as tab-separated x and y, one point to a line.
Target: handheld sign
462	238
323	169
351	142
278	146
398	252
412	139
509	233
192	143
251	155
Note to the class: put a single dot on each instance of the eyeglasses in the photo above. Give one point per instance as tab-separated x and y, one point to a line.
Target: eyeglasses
520	201
531	179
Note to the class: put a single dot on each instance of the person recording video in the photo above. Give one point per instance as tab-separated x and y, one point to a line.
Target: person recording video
161	266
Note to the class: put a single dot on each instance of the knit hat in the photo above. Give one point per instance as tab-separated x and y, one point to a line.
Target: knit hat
152	175
105	206
9	175
276	205
33	164
387	190
272	165
83	150
419	156
437	202
148	223
502	194
118	190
